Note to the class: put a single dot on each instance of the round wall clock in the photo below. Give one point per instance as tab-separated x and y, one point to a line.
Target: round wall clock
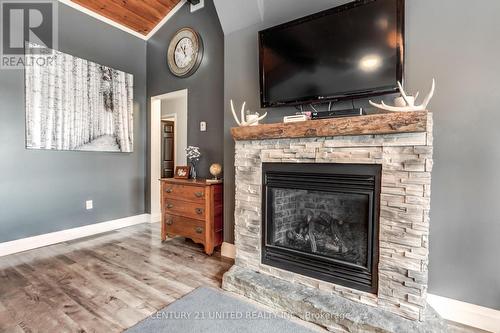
185	52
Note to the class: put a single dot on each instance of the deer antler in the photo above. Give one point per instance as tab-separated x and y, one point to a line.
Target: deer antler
405	96
431	94
409	106
243	121
234	114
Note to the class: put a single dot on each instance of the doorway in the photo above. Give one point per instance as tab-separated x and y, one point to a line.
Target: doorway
167	148
169	114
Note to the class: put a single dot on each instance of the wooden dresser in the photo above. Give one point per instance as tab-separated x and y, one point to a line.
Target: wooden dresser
192	209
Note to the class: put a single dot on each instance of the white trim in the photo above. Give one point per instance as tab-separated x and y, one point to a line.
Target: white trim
120	26
171	95
155	158
466	313
165	19
155	218
228	250
30	243
155	171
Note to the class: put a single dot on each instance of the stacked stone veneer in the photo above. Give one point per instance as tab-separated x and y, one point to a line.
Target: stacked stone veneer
406	161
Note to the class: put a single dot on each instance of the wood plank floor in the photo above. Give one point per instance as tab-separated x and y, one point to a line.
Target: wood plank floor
105	283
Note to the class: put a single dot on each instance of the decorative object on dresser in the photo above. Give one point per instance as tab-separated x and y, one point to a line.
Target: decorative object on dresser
185	52
250	119
193	155
192	209
406	103
182	172
215	170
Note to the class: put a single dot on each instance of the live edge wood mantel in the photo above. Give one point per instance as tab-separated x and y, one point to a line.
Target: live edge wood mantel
386	123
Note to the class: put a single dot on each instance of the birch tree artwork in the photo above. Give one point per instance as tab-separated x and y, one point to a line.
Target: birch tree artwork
75	104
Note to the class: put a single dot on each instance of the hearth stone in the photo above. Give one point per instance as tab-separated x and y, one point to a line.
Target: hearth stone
328	310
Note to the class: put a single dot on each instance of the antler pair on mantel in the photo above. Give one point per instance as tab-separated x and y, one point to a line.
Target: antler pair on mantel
408	102
244	121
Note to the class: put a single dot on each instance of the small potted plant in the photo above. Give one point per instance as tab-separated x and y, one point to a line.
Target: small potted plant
193	154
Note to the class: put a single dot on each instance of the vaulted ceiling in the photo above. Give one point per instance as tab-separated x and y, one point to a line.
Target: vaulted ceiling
139	15
239	14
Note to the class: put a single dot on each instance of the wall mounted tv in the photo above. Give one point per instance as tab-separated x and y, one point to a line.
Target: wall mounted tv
351	51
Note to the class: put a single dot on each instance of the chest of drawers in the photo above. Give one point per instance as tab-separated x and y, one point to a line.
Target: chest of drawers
192	209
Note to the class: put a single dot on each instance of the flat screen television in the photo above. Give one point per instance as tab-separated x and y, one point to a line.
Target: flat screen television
347	52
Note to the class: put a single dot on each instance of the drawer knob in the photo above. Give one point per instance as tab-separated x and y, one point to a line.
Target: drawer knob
170	205
198	194
170	221
169	190
199	230
199	211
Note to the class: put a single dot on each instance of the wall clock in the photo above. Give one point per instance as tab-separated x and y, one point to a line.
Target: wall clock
185	52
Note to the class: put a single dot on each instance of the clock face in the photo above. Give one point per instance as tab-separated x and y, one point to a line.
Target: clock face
185	52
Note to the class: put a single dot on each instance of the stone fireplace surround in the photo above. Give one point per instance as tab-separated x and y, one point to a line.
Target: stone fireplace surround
402	145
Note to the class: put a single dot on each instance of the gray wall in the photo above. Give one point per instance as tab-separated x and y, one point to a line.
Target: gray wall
205	87
457	43
43	191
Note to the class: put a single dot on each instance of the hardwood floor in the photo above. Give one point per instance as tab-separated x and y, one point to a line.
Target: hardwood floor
104	283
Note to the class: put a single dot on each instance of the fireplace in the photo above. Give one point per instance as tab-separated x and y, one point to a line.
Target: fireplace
301	185
321	221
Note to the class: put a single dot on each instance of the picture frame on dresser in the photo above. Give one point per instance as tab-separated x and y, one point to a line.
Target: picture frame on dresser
182	172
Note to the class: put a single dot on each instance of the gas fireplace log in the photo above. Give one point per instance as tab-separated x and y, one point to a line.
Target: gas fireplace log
312	238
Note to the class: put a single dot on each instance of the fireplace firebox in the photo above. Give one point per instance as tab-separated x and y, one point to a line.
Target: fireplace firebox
321	221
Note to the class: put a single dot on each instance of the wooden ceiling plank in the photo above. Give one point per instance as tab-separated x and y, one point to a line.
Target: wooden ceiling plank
158	5
142	9
169	3
118	14
139	15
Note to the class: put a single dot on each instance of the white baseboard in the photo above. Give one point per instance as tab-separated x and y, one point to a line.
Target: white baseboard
466	313
35	242
155	218
228	250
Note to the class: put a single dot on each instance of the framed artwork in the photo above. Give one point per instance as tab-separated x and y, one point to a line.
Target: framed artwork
182	172
76	104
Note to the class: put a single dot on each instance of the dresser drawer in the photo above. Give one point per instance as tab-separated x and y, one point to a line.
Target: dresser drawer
182	226
184	208
182	192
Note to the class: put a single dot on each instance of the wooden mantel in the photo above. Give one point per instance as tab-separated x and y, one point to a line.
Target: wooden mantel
386	123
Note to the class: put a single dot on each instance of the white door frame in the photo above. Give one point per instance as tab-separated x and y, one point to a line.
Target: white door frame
155	160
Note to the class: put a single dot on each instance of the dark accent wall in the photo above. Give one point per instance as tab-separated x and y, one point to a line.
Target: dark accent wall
44	191
205	87
456	43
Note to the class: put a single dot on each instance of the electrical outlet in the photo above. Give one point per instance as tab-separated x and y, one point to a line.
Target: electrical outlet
203	126
89	204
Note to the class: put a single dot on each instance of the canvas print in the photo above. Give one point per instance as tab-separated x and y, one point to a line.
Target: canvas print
76	104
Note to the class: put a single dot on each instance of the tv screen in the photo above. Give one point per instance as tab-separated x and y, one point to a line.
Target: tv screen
347	52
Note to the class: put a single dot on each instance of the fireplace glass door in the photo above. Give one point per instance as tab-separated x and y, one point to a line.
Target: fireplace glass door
321	220
323	223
